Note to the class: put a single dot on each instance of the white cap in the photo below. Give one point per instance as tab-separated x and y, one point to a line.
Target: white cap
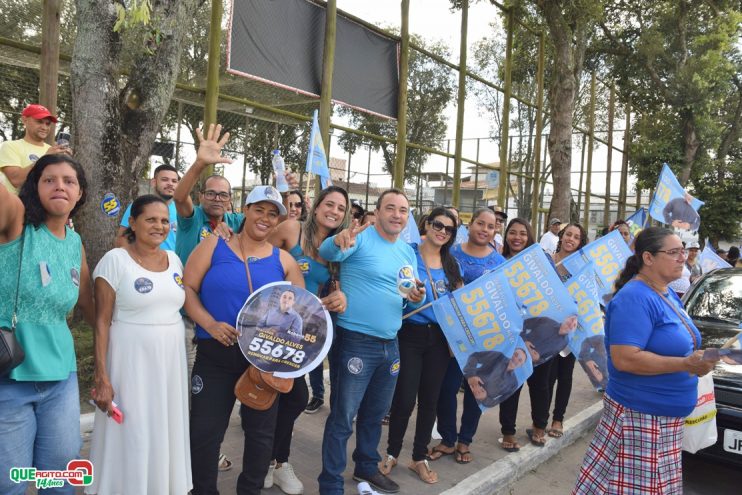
266	193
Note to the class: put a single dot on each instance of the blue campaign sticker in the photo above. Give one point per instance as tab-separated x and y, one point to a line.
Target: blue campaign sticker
394	368
110	205
197	384
355	365
33	157
204	233
304	266
440	286
178	280
75	275
143	285
252	259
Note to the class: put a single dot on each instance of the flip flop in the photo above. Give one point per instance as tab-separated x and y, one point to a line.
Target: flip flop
387	464
509	446
423	471
460	456
224	463
437	452
537	441
556	433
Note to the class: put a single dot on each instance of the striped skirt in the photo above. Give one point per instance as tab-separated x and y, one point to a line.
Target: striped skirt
632	453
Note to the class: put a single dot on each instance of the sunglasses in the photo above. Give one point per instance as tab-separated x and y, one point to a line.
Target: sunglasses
439	226
295	205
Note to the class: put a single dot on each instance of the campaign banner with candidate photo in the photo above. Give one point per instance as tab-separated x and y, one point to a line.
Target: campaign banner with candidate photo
410	234
637	221
709	260
284	330
548	311
587	342
482	322
672	205
462	234
609	253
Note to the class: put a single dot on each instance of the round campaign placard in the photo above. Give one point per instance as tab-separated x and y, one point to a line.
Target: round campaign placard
284	330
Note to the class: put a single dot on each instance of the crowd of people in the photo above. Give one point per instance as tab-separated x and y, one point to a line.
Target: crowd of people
163	304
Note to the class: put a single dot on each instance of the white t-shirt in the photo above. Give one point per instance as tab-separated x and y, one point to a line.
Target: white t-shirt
549	242
682	284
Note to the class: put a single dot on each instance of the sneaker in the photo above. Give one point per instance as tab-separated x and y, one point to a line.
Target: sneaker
224	463
314	405
285	479
365	489
268	482
377	480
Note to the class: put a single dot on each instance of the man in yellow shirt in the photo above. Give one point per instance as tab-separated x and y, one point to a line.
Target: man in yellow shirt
17	157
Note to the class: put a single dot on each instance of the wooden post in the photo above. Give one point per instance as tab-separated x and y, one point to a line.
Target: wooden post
404	66
49	72
590	141
368	175
445	180
582	173
611	108
460	106
502	190
625	162
211	98
539	129
328	64
476	181
177	133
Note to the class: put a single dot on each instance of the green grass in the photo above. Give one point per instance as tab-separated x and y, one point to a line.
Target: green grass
83	336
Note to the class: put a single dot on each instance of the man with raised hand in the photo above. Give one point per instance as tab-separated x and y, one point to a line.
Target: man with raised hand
377	275
17	157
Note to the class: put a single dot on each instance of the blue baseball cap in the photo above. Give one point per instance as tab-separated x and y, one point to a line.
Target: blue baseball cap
266	193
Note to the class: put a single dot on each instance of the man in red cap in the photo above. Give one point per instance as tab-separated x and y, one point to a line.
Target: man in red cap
16	157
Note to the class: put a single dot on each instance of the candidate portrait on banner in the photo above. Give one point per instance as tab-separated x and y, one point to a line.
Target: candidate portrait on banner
673	205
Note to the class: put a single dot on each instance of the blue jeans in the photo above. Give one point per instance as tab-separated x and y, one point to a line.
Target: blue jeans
39	427
367	370
447	405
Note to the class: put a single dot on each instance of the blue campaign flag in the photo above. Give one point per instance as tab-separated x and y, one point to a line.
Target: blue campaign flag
673	206
587	342
482	323
410	234
637	221
316	157
709	260
462	235
548	311
609	253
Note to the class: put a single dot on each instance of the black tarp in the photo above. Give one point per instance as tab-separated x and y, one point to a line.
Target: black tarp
281	42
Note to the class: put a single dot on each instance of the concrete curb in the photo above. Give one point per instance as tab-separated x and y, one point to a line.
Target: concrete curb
499	475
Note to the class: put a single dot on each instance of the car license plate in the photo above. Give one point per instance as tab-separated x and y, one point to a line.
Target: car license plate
733	441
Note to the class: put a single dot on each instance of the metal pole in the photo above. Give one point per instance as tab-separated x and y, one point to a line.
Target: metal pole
460	105
502	192
611	108
404	64
445	180
625	162
49	72
539	129
590	140
476	181
328	64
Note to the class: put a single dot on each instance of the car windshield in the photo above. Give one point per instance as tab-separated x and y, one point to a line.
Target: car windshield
718	297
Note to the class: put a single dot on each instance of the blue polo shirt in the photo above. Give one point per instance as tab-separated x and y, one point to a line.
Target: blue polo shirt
197	227
169	242
368	276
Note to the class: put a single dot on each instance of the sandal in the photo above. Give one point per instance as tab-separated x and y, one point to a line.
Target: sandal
463	456
423	471
224	463
509	445
387	464
437	452
538	441
555	432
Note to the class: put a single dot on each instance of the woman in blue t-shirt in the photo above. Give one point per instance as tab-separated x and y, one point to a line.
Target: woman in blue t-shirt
423	347
654	360
39	398
476	257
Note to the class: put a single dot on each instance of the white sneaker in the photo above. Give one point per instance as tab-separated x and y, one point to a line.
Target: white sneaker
268	483
365	489
286	480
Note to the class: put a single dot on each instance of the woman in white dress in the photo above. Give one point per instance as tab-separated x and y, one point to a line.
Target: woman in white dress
140	363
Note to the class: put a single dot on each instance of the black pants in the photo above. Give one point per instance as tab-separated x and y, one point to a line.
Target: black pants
561	374
423	356
290	407
215	373
538	389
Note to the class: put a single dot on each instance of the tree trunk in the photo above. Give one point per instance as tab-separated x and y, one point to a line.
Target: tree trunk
114	129
691	143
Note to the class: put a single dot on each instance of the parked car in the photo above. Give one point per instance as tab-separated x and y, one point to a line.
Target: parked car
715	304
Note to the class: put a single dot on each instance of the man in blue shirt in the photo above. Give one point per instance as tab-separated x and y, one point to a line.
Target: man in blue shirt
375	276
164	183
284	319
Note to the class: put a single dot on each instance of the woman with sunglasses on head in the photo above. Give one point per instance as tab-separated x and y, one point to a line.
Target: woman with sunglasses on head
44	276
476	257
654	361
423	347
328	215
571	238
